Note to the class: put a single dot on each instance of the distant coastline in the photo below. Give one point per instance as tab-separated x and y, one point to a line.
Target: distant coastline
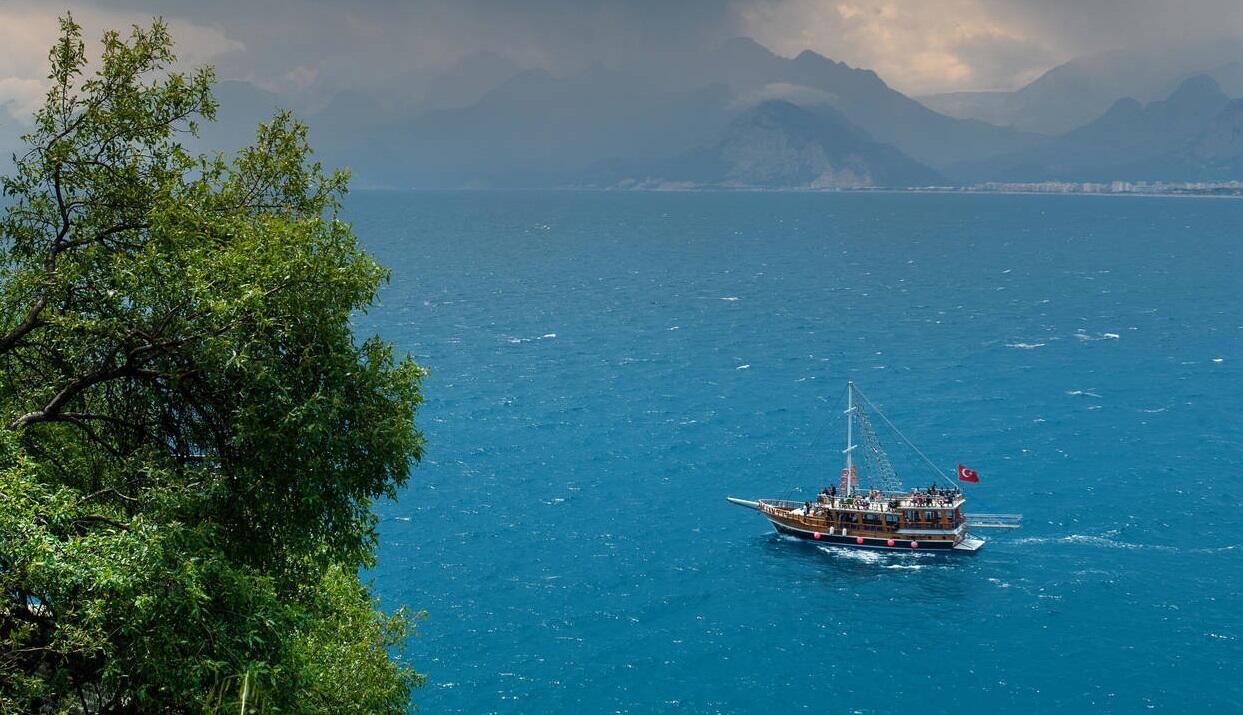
1222	189
1225	190
1228	189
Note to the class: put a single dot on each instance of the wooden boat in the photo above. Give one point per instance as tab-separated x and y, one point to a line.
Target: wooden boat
881	514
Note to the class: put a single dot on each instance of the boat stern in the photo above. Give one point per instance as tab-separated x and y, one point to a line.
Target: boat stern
969	544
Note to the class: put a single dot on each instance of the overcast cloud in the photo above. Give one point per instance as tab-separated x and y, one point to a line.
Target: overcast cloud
314	47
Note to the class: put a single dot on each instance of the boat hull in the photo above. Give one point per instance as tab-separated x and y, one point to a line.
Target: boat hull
876	544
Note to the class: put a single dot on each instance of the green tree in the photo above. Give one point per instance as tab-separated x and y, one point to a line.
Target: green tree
191	436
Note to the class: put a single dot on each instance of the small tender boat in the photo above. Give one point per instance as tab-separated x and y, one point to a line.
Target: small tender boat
880	513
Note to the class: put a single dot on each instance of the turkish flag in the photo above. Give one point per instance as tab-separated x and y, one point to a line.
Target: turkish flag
967	475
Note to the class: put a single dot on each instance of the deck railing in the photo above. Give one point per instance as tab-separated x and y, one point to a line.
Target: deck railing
875	505
994	521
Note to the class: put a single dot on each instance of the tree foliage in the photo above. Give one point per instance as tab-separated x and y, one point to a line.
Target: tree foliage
192	436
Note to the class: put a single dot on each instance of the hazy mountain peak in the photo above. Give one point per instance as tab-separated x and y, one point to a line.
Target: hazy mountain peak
777	143
813	56
795	117
809	63
745	47
1196	88
810	60
1073	93
464	82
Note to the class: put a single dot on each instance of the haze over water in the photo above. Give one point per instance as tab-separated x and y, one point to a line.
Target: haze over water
606	368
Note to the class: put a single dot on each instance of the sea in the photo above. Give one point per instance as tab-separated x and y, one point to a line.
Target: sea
605	368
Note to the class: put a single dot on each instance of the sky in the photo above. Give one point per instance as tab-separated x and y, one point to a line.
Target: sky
312	48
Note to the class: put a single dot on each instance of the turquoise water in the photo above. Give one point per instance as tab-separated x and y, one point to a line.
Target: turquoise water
606	368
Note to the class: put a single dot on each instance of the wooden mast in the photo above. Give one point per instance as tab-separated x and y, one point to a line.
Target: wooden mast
850	447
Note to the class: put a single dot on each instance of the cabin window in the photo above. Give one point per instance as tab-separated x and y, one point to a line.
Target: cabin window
930	516
891	518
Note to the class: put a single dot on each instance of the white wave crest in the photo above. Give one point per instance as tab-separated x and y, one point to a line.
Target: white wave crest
1082	393
1085	335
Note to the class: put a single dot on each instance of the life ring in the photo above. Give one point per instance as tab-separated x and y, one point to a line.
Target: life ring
914	544
816	534
891	542
858	539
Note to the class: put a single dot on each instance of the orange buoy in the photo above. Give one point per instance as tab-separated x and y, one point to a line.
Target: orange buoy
816	534
914	544
891	542
858	539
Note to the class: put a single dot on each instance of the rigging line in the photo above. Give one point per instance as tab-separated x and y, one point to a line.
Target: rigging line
824	431
821	436
894	427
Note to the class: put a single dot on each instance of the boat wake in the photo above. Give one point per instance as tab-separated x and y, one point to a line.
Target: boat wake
845	552
894	560
1103	542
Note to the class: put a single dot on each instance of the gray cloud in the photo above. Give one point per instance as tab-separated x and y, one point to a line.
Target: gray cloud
920	46
28	30
380	41
312	48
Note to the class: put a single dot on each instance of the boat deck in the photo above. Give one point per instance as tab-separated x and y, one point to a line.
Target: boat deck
882	504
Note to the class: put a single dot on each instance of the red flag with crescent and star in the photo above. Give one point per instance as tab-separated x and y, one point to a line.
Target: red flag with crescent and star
966	474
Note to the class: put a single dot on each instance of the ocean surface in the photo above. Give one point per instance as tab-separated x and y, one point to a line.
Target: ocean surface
606	368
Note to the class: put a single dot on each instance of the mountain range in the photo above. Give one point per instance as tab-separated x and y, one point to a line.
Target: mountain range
1076	92
1195	134
737	115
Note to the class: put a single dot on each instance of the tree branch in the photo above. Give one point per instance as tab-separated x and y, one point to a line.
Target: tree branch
69	392
98	237
29	323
